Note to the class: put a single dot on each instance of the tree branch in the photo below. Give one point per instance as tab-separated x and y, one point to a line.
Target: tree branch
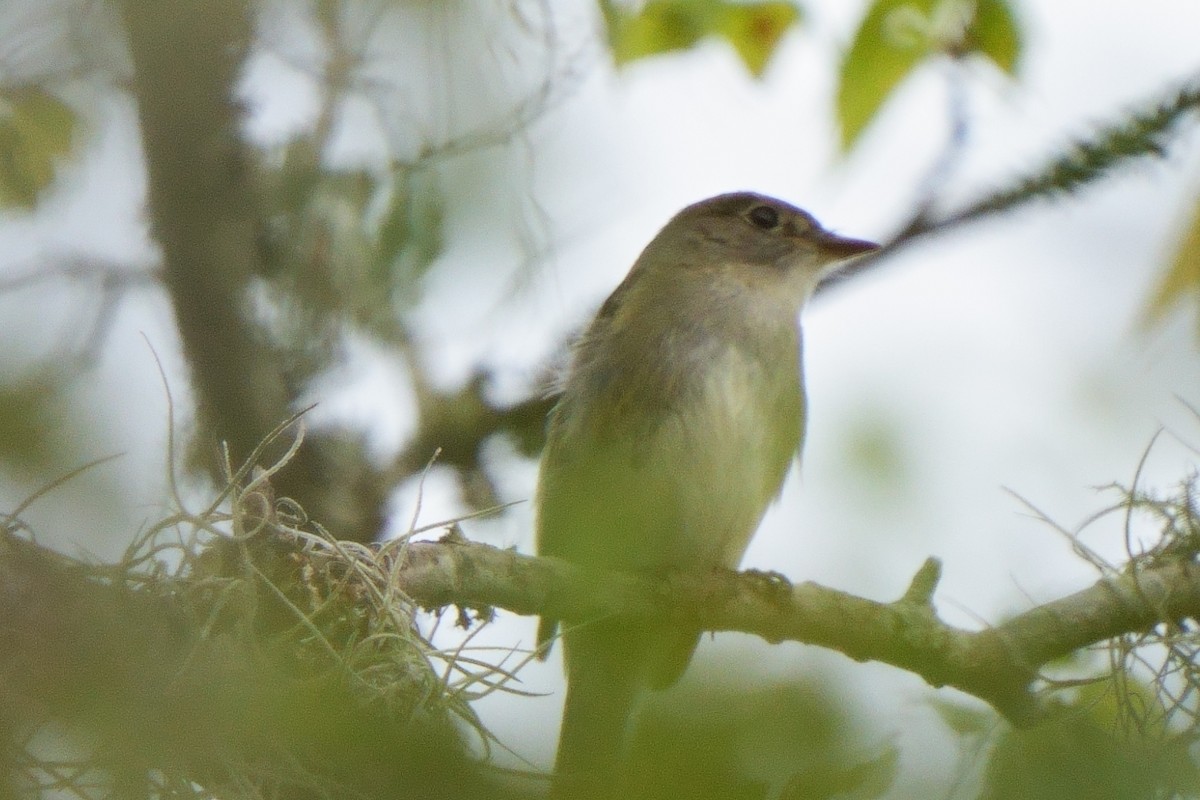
187	57
205	208
998	665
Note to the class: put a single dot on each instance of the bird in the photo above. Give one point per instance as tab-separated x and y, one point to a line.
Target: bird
679	416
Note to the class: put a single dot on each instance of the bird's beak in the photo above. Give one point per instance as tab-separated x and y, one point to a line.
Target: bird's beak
841	247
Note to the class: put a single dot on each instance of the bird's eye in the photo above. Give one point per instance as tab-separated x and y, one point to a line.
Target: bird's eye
764	217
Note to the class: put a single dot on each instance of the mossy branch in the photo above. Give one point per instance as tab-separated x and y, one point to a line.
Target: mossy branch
998	665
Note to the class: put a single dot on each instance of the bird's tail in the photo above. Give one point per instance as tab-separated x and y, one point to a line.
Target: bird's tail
606	677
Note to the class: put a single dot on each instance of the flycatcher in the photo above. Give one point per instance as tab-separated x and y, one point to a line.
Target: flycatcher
680	415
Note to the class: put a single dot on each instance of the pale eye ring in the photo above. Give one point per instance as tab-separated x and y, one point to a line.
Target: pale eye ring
763	217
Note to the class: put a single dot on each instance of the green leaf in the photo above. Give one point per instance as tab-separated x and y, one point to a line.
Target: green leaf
892	40
994	34
755	30
897	36
31	423
36	130
663	26
962	718
1182	279
1080	752
865	780
719	735
410	235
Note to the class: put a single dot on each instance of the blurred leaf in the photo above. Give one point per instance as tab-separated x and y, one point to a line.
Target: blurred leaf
36	130
410	236
298	176
660	27
876	450
863	781
897	36
1080	752
344	246
1182	278
663	26
755	30
715	737
963	719
870	779
891	41
994	34
330	246
30	423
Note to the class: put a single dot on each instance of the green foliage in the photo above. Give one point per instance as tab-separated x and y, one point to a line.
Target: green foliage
862	781
662	26
1082	752
882	55
347	246
897	36
877	452
410	235
995	34
1181	280
36	131
720	739
963	719
31	421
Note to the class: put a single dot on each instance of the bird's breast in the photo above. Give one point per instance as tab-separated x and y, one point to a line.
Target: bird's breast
693	444
730	443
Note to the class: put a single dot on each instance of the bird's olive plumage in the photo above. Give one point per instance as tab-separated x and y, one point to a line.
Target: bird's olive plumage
680	415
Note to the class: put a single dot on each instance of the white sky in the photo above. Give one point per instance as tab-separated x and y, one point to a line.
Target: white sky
1008	355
